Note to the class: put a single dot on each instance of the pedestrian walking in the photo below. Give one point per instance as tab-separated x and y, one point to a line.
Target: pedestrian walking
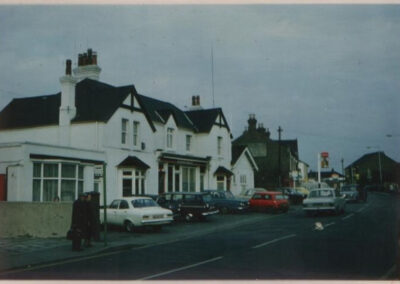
90	219
79	222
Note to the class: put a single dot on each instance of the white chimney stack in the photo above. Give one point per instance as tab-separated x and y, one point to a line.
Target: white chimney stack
87	66
67	108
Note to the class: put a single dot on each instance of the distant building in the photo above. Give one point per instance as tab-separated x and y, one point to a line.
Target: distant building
59	144
273	158
243	168
373	168
332	178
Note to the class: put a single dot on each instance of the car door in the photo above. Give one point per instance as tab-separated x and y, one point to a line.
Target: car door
112	212
122	212
256	200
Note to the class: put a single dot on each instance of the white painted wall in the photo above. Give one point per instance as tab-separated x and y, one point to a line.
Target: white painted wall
242	167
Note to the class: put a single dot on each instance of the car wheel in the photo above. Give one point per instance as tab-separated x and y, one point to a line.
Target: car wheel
157	228
309	213
224	210
129	227
188	217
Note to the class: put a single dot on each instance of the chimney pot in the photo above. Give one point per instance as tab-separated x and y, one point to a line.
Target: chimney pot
193	100
68	70
198	100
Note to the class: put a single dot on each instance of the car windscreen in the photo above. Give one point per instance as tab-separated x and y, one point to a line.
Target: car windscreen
229	195
280	197
321	193
348	188
140	203
207	197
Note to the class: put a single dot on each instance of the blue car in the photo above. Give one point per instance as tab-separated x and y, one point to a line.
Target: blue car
226	202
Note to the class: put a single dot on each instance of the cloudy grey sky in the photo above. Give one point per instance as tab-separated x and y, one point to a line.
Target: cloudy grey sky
329	75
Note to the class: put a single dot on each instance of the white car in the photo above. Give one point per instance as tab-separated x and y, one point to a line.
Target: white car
324	199
131	212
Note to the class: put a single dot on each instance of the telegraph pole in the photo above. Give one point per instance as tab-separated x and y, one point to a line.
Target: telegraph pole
279	157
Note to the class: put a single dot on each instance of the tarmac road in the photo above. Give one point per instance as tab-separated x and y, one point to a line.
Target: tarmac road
360	244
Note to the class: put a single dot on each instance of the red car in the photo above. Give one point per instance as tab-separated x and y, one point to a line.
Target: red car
269	201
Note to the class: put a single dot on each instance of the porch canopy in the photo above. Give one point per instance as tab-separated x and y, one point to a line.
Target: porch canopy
132	161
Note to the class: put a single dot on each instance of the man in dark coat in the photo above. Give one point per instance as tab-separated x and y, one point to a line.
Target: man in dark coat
79	222
90	219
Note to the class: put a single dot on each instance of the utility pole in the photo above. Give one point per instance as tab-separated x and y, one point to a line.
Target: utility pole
342	160
279	157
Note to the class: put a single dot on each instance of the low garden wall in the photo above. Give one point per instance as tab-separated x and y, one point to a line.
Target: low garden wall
35	219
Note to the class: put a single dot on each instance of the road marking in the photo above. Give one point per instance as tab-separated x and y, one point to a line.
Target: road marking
329	224
274	241
181	268
388	273
348	216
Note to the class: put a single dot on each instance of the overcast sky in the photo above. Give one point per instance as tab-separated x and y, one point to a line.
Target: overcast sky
329	75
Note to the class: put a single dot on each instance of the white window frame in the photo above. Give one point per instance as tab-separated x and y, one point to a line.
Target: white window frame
79	181
219	145
170	137
189	143
135	132
137	178
124	131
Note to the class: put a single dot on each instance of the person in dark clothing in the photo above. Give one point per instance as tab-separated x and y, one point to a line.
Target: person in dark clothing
79	222
90	219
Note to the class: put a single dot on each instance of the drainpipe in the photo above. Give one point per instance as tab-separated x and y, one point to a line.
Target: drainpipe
105	202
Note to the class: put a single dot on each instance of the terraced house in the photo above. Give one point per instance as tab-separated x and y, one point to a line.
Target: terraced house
92	132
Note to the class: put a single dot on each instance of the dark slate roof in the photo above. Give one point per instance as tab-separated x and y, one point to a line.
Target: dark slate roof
371	156
237	150
156	109
204	119
95	101
29	112
292	145
132	161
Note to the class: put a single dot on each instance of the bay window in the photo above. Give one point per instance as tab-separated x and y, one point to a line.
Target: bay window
56	179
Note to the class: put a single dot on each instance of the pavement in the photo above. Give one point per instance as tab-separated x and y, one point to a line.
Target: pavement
21	253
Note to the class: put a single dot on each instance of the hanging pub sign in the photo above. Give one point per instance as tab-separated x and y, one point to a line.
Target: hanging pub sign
324	160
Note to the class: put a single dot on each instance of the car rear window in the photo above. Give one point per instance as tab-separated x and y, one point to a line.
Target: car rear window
321	193
280	197
140	203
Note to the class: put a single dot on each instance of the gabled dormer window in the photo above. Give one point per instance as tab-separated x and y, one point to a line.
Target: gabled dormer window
124	131
170	137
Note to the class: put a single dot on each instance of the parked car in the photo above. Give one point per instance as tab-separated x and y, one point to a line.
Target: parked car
131	212
188	205
269	201
246	194
294	196
350	192
304	191
226	202
324	199
375	187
